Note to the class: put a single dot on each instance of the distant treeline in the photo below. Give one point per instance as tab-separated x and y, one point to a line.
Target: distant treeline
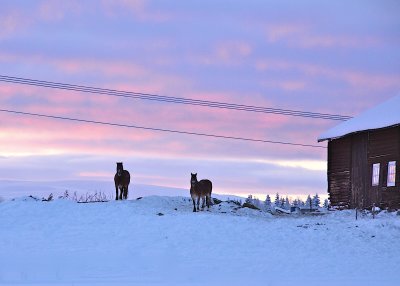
286	203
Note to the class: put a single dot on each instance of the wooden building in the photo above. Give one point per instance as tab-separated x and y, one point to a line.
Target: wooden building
364	158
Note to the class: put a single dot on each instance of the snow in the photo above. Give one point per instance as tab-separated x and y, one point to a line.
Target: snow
160	241
12	188
384	115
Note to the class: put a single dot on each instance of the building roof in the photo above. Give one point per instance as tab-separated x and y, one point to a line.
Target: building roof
384	115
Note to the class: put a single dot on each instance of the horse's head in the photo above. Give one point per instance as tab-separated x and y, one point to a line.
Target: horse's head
120	168
193	179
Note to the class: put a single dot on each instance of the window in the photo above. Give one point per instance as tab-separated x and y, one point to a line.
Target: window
391	179
375	174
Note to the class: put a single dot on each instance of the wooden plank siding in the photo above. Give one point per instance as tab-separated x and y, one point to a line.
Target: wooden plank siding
350	161
339	165
384	146
359	171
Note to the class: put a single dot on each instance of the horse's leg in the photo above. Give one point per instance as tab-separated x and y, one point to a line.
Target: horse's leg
203	202
121	190
116	192
126	193
194	205
208	201
198	203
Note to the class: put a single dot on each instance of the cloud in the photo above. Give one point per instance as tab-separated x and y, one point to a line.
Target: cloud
15	20
140	9
230	51
11	22
304	36
56	10
366	79
278	32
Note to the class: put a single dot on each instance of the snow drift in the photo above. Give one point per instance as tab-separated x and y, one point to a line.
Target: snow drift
160	241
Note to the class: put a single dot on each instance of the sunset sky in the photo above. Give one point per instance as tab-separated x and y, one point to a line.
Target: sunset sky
336	57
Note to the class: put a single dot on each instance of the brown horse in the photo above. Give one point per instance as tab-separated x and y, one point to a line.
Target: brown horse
121	179
200	189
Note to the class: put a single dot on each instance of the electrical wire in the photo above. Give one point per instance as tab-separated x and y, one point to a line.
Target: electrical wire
156	129
169	99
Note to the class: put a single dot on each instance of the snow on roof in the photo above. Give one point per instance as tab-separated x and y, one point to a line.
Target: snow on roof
383	115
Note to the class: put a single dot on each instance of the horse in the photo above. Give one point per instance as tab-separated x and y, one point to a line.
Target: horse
200	189
121	179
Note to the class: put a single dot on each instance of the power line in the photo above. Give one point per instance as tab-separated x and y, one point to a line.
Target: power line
155	129
177	100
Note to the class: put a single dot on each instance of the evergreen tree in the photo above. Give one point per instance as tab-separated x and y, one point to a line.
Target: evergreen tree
287	203
326	203
249	199
316	201
308	203
267	203
277	201
282	204
256	202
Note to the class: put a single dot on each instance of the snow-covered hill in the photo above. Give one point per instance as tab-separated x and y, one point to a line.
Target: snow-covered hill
160	241
10	189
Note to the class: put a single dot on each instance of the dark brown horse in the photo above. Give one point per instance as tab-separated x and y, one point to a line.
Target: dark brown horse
121	179
200	189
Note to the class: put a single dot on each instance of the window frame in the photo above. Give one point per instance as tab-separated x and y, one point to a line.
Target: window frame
376	175
391	176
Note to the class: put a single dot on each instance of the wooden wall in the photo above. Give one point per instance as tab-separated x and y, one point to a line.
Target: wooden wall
350	162
339	165
384	146
359	170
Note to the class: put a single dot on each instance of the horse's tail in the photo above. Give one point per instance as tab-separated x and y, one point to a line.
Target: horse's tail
208	187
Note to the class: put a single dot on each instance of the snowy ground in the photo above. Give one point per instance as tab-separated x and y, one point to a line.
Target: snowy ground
160	241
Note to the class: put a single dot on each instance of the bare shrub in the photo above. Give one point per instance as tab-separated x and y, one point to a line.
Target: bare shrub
48	199
95	197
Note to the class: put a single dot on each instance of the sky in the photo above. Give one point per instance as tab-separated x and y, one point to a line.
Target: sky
335	57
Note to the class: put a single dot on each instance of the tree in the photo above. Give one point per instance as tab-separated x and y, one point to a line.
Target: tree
256	202
287	203
249	199
277	201
267	203
282	204
308	202
316	201
326	203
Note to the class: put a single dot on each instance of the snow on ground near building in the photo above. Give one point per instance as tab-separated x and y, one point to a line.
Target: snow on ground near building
160	241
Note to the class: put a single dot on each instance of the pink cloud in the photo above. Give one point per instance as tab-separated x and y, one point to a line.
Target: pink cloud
140	9
304	36
11	22
106	67
14	21
229	53
287	85
76	138
352	77
55	10
278	32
